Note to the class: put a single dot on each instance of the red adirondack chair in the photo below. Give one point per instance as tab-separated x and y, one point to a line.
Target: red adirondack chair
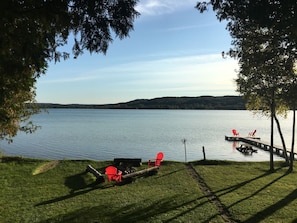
235	133
252	134
157	161
113	174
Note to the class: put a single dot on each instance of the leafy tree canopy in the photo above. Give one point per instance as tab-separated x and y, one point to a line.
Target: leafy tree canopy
264	36
32	33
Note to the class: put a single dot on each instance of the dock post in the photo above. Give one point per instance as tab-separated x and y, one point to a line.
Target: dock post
203	150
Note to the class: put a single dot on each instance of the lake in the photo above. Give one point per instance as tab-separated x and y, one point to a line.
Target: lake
105	134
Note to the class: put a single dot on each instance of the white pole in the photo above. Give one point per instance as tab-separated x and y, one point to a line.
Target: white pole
184	141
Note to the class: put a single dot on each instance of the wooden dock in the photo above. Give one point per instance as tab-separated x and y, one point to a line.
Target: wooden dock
257	142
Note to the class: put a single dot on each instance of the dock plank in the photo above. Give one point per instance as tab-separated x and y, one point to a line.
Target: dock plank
257	142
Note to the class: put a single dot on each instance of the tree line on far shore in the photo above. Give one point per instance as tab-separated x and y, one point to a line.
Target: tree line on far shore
202	102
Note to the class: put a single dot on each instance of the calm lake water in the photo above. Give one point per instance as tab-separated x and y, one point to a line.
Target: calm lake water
107	134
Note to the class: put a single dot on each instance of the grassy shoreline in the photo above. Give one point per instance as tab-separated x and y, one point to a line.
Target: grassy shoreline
66	193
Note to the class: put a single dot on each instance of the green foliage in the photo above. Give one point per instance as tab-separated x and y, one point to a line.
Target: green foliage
265	42
32	34
14	112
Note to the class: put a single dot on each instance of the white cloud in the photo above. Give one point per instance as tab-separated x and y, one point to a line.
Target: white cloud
167	69
148	78
159	7
181	28
193	75
67	80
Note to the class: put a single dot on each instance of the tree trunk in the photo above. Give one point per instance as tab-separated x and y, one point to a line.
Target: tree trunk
282	139
271	132
293	141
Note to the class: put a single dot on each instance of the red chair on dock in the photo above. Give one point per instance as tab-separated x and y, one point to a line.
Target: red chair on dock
235	133
113	174
252	134
157	161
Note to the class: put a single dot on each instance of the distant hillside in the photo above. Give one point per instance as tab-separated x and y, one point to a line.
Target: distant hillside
203	102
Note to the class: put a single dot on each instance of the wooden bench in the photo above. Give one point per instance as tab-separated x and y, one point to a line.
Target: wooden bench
151	170
128	162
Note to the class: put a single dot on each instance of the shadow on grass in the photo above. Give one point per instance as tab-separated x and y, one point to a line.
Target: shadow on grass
241	184
273	208
263	214
64	197
17	159
161	210
129	213
211	162
76	182
260	215
261	189
83	183
79	184
170	173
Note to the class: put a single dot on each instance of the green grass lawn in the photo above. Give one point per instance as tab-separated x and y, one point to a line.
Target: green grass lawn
250	192
66	193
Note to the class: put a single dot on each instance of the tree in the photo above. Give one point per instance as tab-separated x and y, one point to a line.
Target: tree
264	36
290	94
266	73
32	34
262	74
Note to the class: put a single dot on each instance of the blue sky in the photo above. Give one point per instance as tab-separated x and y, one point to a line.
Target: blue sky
173	51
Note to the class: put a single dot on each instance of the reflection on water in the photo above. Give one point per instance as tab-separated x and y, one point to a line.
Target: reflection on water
107	134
